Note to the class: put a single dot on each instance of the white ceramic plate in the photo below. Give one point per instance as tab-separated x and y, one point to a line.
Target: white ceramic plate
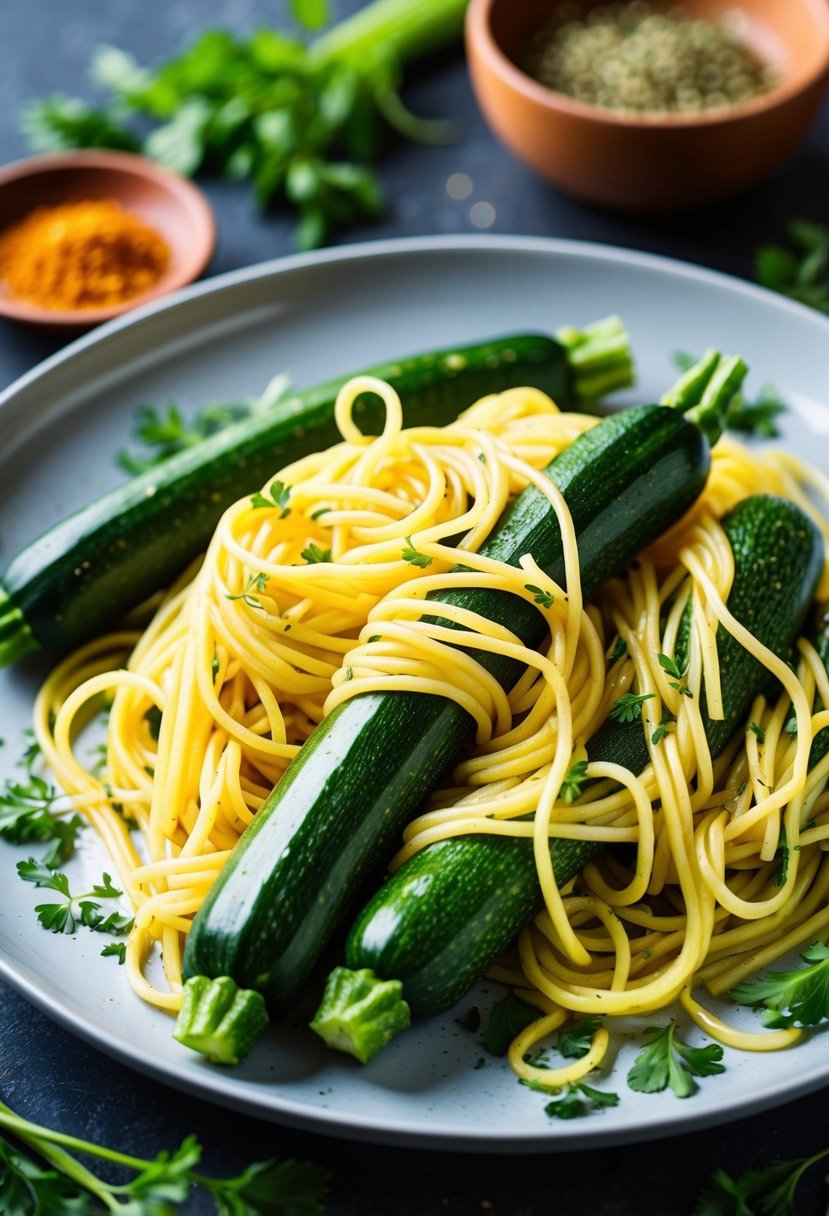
314	316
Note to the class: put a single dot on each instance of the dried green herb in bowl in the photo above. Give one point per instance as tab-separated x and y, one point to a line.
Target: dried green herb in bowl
636	57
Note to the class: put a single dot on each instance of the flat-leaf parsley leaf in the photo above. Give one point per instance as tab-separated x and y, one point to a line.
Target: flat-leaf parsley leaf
414	556
791	998
667	1062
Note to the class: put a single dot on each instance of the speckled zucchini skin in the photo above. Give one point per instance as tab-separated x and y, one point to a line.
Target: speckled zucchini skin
338	811
79	578
441	920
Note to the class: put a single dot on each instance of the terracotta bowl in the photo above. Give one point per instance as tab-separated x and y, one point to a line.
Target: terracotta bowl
666	163
174	207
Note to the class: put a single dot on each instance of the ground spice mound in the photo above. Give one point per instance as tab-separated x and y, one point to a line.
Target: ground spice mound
89	254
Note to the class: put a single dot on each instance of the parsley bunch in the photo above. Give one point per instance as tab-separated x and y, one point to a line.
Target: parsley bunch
300	122
59	1184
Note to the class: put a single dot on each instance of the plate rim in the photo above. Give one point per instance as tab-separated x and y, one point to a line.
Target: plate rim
225	1091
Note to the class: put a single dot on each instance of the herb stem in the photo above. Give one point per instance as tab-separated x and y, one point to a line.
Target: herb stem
397	30
33	1134
36	1138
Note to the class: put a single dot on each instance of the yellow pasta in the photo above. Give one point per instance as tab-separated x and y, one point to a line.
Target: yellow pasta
313	592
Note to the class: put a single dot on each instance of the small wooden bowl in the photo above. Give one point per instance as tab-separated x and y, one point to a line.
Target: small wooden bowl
652	163
174	207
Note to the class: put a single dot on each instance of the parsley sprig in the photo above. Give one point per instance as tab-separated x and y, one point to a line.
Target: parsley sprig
31	812
59	1184
313	553
768	1190
667	1062
578	1100
573	782
256	582
791	998
677	680
414	557
275	496
73	909
628	707
576	1040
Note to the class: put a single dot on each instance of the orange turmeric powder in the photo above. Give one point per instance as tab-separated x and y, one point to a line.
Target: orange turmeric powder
88	254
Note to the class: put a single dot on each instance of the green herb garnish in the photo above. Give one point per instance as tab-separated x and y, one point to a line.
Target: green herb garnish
572	783
63	917
578	1100
507	1018
545	598
667	1062
312	553
257	582
663	729
628	707
414	556
791	998
276	496
669	666
620	647
577	1040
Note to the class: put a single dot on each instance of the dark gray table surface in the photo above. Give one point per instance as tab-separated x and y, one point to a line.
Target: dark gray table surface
46	1073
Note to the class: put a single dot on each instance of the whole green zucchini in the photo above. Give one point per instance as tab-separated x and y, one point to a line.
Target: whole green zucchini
340	807
439	922
79	578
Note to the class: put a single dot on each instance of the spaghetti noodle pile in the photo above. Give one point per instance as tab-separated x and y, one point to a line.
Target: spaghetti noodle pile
312	591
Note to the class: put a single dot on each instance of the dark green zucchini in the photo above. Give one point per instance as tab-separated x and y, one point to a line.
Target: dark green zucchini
342	803
79	578
439	922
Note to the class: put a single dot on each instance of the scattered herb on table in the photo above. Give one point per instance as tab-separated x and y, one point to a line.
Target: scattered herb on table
768	1190
161	1185
791	998
269	109
802	272
666	1062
